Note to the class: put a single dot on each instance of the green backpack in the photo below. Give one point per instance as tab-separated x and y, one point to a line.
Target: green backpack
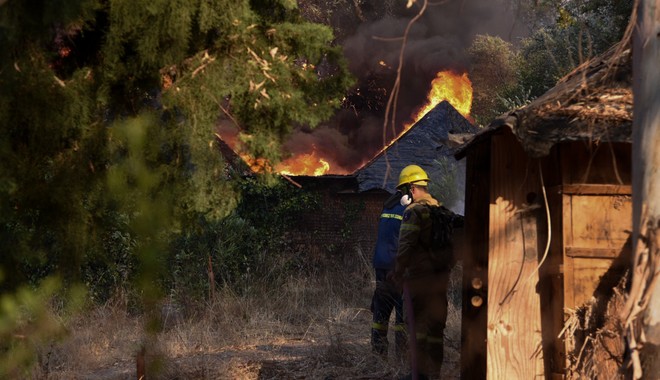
443	222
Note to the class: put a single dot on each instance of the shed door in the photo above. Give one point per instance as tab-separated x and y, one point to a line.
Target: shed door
597	224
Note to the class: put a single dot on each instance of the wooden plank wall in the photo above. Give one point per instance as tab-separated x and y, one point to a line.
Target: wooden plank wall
514	313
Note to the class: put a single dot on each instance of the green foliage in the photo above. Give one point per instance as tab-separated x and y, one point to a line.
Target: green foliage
68	75
495	65
582	29
566	33
49	151
515	97
444	185
141	187
28	320
111	269
107	117
251	243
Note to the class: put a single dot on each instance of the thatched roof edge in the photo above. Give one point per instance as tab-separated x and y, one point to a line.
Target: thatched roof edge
592	103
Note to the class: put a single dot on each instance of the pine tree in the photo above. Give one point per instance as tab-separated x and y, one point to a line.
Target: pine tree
108	110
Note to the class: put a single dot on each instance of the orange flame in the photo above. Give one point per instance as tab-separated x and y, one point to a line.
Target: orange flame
452	87
304	164
310	164
258	164
448	85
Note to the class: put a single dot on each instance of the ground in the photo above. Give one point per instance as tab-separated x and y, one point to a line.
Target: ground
239	340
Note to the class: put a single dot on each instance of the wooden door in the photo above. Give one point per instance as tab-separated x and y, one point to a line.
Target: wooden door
597	224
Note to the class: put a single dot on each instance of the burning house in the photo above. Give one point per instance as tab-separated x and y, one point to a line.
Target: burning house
433	138
352	202
548	212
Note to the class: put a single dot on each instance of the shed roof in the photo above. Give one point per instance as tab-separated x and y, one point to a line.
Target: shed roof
592	103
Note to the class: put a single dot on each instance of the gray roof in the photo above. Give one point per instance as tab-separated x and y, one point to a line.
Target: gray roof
592	103
437	134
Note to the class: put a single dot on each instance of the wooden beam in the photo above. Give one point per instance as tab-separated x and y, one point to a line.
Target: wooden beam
607	253
590	189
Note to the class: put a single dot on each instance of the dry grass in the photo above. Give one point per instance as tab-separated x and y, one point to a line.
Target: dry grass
308	329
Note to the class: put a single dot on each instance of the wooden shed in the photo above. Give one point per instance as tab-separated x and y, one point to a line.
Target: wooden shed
547	217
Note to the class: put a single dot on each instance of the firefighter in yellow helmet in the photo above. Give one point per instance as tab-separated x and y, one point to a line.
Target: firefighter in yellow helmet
424	280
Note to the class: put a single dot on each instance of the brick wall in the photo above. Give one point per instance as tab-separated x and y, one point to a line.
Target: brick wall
343	230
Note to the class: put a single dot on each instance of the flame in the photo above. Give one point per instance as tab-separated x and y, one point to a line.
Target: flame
304	164
448	85
309	164
452	87
256	164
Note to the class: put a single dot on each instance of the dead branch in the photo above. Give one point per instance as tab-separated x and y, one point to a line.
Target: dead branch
358	10
286	177
549	221
394	94
387	39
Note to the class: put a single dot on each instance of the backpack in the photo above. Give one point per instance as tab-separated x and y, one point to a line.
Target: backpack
443	222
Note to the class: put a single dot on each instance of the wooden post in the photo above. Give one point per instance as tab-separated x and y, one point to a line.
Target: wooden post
474	320
211	279
141	370
643	307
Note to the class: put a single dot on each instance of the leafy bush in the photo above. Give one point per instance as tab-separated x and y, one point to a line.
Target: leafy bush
247	248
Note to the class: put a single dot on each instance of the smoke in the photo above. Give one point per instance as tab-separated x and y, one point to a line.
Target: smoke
437	41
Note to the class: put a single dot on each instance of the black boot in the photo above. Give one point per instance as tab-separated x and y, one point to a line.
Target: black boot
420	376
401	344
379	341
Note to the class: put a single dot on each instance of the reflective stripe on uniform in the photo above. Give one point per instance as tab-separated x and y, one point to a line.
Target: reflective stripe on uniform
379	326
400	327
409	227
391	216
434	339
420	336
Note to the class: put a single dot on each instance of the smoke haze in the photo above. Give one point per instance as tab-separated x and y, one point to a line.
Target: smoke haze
438	41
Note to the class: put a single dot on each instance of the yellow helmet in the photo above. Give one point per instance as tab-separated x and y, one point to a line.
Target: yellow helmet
413	174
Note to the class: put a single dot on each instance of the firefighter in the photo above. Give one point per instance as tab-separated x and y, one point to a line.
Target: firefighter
424	280
387	297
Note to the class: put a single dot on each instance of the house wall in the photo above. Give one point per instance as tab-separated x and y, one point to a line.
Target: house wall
343	230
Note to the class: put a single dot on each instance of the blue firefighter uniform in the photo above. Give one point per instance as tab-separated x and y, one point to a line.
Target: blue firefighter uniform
386	295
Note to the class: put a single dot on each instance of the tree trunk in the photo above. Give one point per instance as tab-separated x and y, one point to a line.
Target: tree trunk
643	306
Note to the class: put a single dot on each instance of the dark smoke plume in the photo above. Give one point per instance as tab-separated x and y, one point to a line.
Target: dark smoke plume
438	41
